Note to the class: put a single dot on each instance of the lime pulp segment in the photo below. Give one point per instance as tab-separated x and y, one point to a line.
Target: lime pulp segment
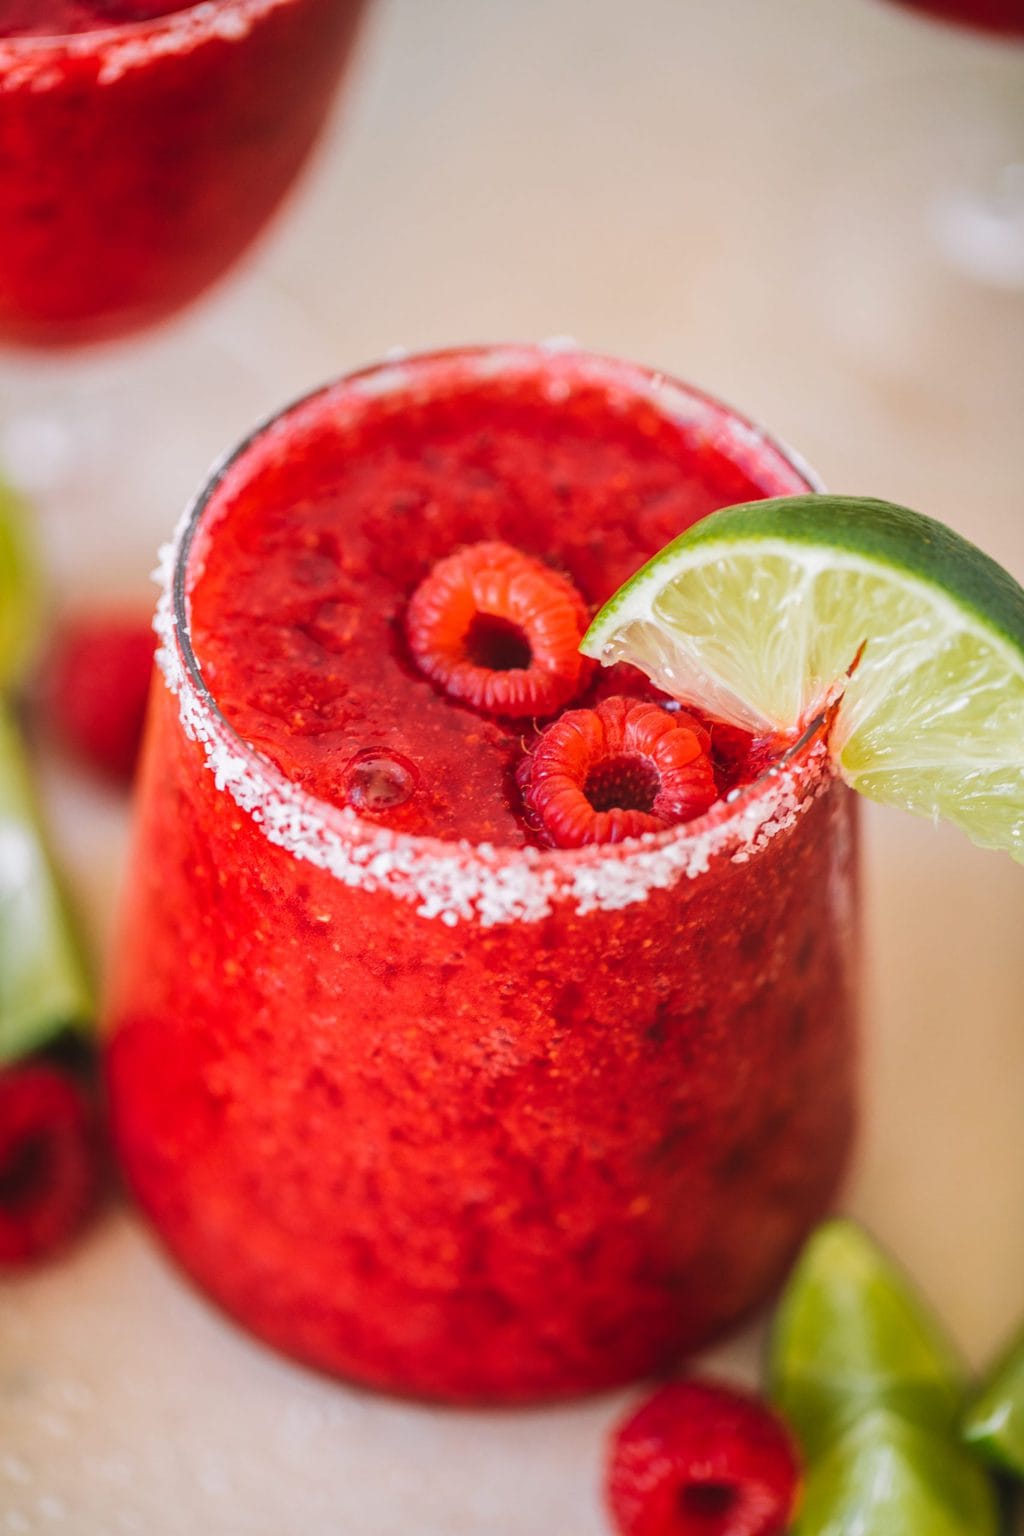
765	613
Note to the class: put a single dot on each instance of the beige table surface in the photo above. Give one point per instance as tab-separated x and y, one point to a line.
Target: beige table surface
739	192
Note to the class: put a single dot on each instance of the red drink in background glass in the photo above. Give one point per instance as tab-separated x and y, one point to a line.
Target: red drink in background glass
1005	17
140	158
56	18
419	1102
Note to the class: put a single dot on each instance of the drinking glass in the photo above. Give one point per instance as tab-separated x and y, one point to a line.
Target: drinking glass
461	1120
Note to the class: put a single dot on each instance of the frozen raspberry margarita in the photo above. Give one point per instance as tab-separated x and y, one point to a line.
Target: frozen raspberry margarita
144	145
481	1027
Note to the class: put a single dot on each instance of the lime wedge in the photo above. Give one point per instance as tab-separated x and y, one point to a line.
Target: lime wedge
764	614
19	588
887	1477
993	1425
850	1335
43	985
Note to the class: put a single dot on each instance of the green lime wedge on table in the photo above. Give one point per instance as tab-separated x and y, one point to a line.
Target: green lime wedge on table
850	1336
888	1477
19	589
43	986
993	1425
759	612
43	983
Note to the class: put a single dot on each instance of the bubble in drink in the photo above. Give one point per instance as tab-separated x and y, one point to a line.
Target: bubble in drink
379	781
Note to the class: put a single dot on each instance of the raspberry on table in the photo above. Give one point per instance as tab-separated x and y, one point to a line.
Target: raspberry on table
621	769
500	631
702	1459
50	1162
93	689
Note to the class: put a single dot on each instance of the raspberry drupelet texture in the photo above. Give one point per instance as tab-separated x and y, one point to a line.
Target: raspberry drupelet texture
701	1459
49	1162
500	631
625	767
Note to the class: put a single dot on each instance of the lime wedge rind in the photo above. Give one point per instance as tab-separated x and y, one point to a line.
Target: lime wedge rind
850	1335
20	590
757	613
872	531
44	987
890	1476
993	1422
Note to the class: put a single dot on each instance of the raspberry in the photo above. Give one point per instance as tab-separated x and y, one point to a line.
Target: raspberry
49	1162
621	769
93	690
500	631
699	1459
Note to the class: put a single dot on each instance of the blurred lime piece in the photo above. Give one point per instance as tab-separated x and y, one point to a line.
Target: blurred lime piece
43	983
765	614
19	589
851	1335
993	1425
888	1477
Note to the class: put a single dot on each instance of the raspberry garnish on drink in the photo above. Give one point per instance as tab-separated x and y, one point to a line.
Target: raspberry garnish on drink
499	631
622	769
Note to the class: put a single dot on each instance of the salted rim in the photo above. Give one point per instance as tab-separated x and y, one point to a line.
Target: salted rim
122	46
456	881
